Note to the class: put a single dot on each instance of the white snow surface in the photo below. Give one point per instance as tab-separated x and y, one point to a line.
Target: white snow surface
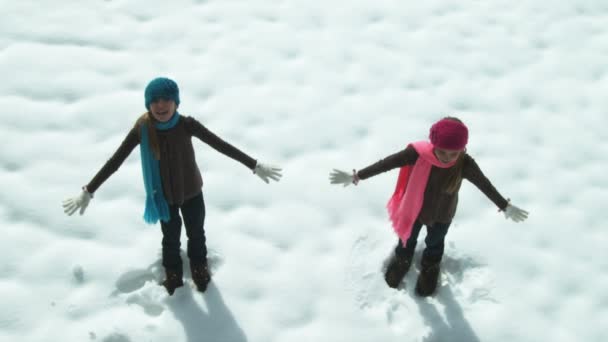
309	86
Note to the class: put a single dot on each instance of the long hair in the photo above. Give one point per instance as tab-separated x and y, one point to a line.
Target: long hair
454	177
149	121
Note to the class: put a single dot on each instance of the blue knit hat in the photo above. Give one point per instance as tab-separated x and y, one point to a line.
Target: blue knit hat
161	88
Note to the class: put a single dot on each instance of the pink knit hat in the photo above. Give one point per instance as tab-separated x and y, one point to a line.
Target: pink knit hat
449	134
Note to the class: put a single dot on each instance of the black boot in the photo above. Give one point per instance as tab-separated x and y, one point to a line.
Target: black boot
428	277
173	280
200	275
396	270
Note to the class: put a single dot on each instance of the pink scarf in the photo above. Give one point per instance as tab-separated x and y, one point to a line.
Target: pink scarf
406	202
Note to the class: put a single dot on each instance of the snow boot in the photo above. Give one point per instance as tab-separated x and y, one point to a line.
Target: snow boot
396	270
428	277
173	280
200	275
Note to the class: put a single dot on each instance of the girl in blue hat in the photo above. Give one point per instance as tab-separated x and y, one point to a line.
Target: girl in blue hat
172	179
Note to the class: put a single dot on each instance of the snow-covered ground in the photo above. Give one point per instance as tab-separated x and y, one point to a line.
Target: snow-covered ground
310	86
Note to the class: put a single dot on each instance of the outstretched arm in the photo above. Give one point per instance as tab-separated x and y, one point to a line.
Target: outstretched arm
405	157
124	150
208	137
408	156
71	205
473	173
265	172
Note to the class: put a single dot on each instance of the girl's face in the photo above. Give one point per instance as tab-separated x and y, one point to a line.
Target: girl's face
162	109
446	156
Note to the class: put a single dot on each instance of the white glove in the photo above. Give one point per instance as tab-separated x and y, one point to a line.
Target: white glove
267	171
81	202
514	213
343	177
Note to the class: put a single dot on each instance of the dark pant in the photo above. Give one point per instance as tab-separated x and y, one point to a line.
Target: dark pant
435	237
193	212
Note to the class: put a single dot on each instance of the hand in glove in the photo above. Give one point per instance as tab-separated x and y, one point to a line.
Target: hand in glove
343	177
267	171
81	202
514	213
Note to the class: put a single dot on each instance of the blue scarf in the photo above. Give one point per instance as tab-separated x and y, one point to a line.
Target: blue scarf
156	204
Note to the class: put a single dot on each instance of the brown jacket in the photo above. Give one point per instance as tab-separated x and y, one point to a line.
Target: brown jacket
179	172
438	205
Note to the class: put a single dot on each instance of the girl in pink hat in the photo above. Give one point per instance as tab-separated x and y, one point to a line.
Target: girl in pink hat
427	194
